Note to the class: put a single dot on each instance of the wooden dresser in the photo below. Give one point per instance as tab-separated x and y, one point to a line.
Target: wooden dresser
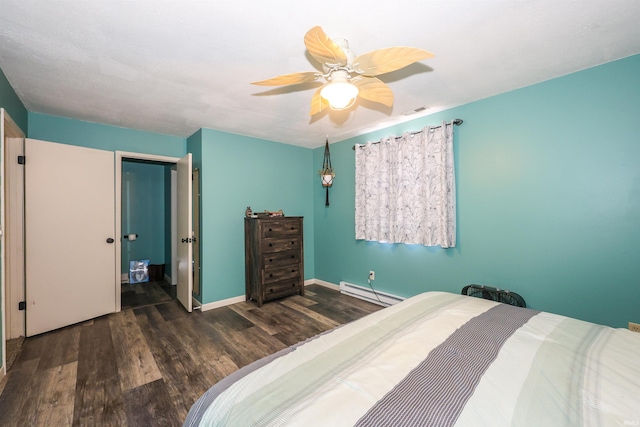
274	258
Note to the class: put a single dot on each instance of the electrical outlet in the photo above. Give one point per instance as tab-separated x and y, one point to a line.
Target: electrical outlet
635	327
372	275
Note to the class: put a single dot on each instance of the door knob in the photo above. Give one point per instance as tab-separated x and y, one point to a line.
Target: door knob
110	240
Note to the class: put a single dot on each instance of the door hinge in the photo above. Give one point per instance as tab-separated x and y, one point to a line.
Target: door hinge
21	160
22	305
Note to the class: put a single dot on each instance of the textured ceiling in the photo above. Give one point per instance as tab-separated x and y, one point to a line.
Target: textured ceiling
174	66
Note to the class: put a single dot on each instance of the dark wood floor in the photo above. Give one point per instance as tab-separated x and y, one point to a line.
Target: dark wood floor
147	366
148	293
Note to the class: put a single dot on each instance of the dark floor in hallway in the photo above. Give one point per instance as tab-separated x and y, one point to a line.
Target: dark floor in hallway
148	293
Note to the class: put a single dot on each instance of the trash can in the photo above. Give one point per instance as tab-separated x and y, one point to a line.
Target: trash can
156	272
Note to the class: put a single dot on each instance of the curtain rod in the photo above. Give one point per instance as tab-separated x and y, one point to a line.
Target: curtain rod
456	122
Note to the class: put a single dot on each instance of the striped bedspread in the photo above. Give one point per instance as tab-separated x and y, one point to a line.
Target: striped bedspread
440	359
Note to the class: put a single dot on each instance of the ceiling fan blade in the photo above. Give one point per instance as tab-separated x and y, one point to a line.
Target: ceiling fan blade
318	103
390	59
323	49
373	89
289	79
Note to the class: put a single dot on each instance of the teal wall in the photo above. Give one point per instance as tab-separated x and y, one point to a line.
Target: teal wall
236	172
143	212
12	104
548	198
103	137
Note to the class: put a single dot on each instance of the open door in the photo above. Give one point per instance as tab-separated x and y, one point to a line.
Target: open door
3	297
185	232
69	234
196	231
11	232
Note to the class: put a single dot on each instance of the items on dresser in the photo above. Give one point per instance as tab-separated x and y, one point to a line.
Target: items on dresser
274	257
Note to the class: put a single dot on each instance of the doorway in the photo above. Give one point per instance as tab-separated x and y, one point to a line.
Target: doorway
146	241
14	290
183	219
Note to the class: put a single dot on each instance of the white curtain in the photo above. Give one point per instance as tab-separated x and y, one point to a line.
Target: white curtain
405	189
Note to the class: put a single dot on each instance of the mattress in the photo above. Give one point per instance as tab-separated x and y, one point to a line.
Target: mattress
439	359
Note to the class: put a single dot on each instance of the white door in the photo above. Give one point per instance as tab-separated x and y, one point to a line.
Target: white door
11	244
185	233
70	232
174	227
3	297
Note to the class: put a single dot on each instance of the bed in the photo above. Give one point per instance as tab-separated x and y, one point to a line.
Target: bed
439	359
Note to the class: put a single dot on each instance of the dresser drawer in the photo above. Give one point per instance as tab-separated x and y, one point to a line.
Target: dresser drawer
280	228
279	259
278	274
281	289
279	245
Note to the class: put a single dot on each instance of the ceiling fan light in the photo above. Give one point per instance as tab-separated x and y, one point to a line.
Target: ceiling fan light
340	95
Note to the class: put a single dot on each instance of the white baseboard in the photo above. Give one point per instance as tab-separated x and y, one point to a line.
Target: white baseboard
218	304
241	298
322	283
384	299
124	278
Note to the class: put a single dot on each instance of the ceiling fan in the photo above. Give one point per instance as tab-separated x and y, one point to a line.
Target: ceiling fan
348	76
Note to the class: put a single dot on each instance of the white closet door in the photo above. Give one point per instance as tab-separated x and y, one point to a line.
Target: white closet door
70	232
185	233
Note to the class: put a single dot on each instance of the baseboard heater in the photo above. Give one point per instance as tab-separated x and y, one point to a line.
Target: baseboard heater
367	294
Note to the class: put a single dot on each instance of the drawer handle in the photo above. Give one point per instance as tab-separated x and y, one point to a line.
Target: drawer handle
271	290
270	244
270	275
293	228
293	270
270	229
293	243
293	256
270	260
293	285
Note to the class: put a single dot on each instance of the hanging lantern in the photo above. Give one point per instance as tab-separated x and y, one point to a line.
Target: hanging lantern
326	173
